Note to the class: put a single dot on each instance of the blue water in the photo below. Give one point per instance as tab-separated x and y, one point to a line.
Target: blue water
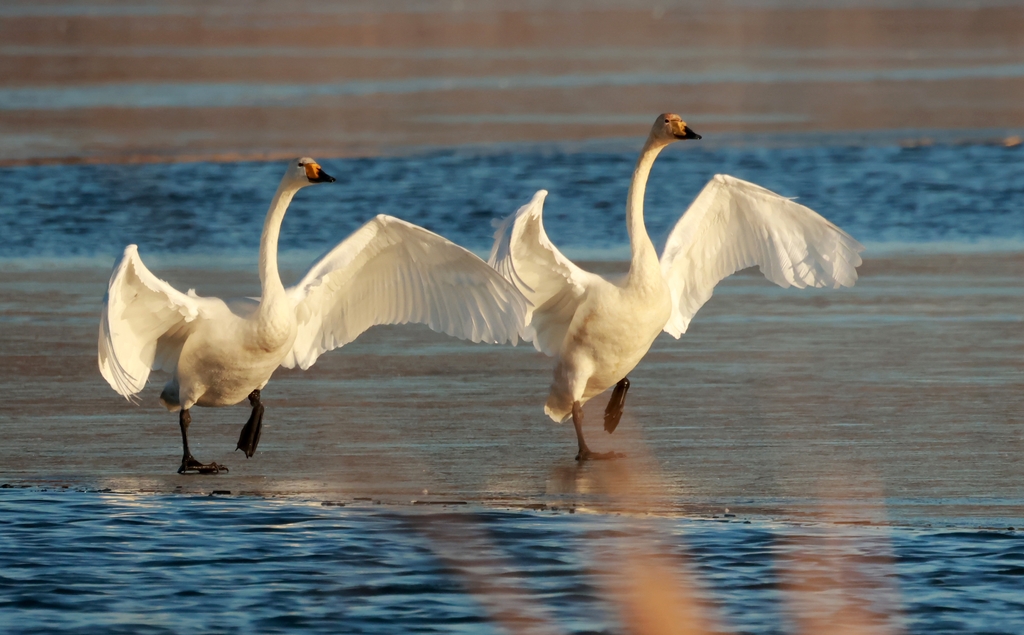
105	562
95	562
962	194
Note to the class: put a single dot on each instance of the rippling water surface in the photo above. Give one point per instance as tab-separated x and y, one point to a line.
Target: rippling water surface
109	562
939	193
104	562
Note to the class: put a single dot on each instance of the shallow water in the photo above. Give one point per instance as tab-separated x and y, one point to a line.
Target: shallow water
878	193
139	80
119	563
871	437
258	95
868	442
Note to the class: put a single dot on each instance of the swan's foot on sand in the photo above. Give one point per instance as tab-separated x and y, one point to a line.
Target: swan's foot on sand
253	428
584	453
613	412
189	465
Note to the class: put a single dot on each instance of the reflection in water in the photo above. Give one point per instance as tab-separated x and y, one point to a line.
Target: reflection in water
574	479
78	562
829	585
713	414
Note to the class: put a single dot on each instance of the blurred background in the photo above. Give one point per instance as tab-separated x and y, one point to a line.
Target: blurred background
143	80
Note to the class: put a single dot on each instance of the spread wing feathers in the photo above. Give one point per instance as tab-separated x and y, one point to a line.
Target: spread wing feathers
524	256
733	225
393	272
144	323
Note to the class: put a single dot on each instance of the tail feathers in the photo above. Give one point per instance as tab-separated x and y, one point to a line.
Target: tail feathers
558	411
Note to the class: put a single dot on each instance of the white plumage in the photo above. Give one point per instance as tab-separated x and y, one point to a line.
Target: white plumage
599	328
393	272
219	352
734	224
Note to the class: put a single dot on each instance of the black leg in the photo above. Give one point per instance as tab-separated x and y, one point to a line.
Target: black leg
584	452
613	412
253	428
189	462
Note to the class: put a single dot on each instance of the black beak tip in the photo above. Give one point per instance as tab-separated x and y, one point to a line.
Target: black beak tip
688	133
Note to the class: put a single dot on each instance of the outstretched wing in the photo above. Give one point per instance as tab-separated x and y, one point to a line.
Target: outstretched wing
144	323
393	272
524	256
733	225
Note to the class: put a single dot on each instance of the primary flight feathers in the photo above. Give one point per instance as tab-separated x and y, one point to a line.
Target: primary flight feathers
734	224
731	225
393	272
387	272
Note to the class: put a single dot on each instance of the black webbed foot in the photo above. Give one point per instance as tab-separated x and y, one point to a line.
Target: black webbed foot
613	411
587	455
584	453
249	438
190	465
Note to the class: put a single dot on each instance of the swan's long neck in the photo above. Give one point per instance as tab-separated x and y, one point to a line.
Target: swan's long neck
270	278
645	259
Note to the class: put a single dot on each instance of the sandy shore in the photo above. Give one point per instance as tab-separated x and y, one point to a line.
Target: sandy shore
907	388
136	80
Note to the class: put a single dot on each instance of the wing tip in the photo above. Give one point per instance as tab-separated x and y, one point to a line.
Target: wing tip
130	253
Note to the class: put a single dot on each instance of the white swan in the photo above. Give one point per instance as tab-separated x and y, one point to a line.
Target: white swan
599	329
220	352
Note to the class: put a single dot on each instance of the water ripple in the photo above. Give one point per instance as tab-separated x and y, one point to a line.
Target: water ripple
85	562
941	193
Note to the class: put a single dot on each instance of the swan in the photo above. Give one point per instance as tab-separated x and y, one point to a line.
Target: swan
220	352
598	329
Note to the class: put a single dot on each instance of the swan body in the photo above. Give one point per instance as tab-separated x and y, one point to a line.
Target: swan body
598	329
219	352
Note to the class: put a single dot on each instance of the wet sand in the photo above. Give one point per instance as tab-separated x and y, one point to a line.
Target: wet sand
899	400
135	80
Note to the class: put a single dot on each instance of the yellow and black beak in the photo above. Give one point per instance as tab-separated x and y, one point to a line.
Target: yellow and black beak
682	131
315	174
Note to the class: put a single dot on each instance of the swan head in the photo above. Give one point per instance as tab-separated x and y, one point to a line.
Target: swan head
307	171
669	127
